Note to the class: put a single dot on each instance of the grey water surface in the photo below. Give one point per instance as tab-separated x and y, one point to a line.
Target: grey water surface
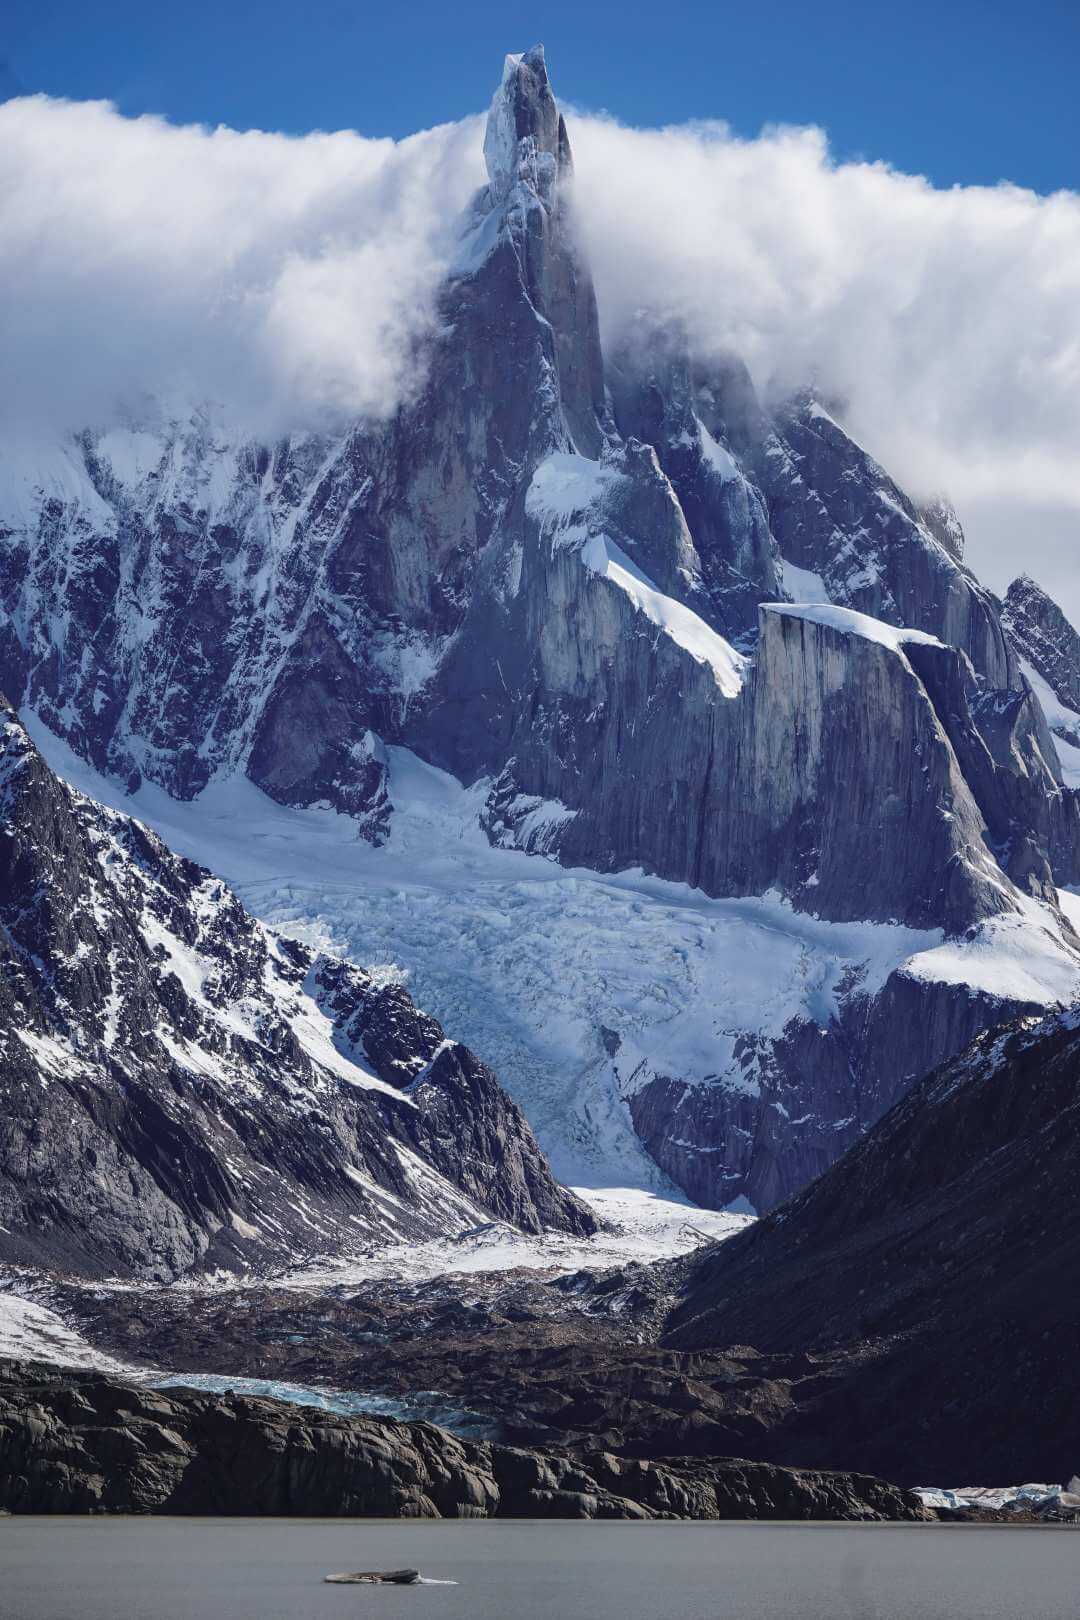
272	1569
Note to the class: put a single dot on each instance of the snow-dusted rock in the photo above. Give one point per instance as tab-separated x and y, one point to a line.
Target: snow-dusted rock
1043	636
182	1089
662	399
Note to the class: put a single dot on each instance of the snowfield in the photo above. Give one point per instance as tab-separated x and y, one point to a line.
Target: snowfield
33	1332
641	1226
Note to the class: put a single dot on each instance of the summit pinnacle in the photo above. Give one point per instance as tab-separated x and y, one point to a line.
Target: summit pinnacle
524	124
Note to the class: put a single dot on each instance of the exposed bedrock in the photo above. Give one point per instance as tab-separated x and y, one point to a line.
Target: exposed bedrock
1006	752
846	792
824	770
1041	634
1048	649
809	1094
835	511
87	1444
661	399
937	1245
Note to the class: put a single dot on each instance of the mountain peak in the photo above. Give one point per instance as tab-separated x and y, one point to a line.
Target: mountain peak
1023	585
523	123
534	60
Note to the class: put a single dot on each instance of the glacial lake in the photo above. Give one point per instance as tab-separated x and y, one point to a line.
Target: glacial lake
272	1569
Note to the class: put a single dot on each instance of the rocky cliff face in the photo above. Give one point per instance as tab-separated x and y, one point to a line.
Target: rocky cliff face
183	1089
668	626
1041	634
86	1444
796	1102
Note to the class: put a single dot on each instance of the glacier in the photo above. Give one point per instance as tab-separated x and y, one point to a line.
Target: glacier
539	966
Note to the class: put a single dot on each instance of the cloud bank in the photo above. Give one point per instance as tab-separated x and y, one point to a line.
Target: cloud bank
285	278
290	279
949	321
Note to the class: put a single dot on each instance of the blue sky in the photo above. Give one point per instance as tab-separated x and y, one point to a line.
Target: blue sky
969	91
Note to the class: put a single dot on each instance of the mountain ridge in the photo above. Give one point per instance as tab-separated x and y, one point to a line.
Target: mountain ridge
946	1244
570	575
184	1089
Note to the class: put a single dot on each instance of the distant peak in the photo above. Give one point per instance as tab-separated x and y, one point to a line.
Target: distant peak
524	123
1026	594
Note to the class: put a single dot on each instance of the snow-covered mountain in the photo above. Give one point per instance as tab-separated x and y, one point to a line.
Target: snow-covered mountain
180	1088
699	652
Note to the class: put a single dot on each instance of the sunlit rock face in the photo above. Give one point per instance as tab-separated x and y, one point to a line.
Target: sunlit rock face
712	637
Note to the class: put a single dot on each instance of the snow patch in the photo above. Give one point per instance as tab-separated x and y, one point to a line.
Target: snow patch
50	1053
531	823
563	488
132	454
1021	955
602	556
803	585
853	624
32	1332
720	460
639	1225
1069	901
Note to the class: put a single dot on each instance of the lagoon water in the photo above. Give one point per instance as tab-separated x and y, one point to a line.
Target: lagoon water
272	1569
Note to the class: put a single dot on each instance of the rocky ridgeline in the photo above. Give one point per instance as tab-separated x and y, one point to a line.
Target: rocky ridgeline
577	575
1041	634
933	1273
181	1088
84	1444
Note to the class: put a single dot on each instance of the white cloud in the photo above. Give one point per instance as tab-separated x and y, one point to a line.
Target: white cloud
290	277
282	277
948	321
